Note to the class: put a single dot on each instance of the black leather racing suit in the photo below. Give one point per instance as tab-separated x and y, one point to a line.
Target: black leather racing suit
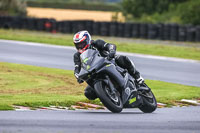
105	49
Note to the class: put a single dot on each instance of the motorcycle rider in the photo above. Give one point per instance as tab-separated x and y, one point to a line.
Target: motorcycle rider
82	41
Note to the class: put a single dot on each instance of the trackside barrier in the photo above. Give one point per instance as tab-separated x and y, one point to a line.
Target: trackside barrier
160	31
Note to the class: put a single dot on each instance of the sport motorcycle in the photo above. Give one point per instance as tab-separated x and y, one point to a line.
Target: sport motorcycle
109	80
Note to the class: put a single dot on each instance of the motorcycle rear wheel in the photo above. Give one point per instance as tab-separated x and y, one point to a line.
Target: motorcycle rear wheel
111	102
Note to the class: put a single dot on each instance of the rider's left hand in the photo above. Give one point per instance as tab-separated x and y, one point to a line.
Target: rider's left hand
111	55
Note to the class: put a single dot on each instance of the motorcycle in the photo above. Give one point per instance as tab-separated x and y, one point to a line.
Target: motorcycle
108	79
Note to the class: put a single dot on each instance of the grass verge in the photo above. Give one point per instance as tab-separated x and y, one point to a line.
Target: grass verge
125	45
37	86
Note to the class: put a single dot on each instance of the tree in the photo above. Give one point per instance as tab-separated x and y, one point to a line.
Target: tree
13	7
137	8
190	12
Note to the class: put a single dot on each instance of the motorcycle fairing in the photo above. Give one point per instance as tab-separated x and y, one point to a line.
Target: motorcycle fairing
101	66
98	64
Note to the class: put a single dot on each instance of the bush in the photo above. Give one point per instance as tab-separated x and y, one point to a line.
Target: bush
138	8
162	11
13	7
190	12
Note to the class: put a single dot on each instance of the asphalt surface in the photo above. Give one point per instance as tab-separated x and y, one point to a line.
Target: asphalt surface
173	70
167	120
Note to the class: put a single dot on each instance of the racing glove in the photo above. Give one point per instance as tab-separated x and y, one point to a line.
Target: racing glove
111	55
80	81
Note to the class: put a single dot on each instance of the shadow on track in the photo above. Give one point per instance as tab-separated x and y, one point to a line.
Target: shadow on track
105	112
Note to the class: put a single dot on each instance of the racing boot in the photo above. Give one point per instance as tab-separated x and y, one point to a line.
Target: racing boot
136	75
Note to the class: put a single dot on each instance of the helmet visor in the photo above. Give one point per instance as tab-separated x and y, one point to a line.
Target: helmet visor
80	45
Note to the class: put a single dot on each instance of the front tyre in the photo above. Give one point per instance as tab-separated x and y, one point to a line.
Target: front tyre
112	102
149	102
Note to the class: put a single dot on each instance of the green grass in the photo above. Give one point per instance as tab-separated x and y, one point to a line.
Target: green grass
125	45
37	86
169	93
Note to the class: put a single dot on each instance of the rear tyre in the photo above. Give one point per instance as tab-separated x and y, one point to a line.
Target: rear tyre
111	101
149	102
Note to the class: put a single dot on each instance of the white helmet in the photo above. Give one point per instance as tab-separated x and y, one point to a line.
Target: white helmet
82	40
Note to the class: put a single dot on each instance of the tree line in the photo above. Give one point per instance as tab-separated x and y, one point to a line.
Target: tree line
162	11
145	11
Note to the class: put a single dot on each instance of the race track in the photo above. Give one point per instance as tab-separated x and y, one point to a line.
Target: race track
165	120
173	70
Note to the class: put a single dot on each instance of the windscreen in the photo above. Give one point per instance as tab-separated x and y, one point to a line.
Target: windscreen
87	57
88	53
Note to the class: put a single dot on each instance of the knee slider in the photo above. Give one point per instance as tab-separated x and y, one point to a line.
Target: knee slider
90	94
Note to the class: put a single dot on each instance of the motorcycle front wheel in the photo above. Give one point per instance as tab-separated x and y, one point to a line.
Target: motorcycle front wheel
149	102
111	101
